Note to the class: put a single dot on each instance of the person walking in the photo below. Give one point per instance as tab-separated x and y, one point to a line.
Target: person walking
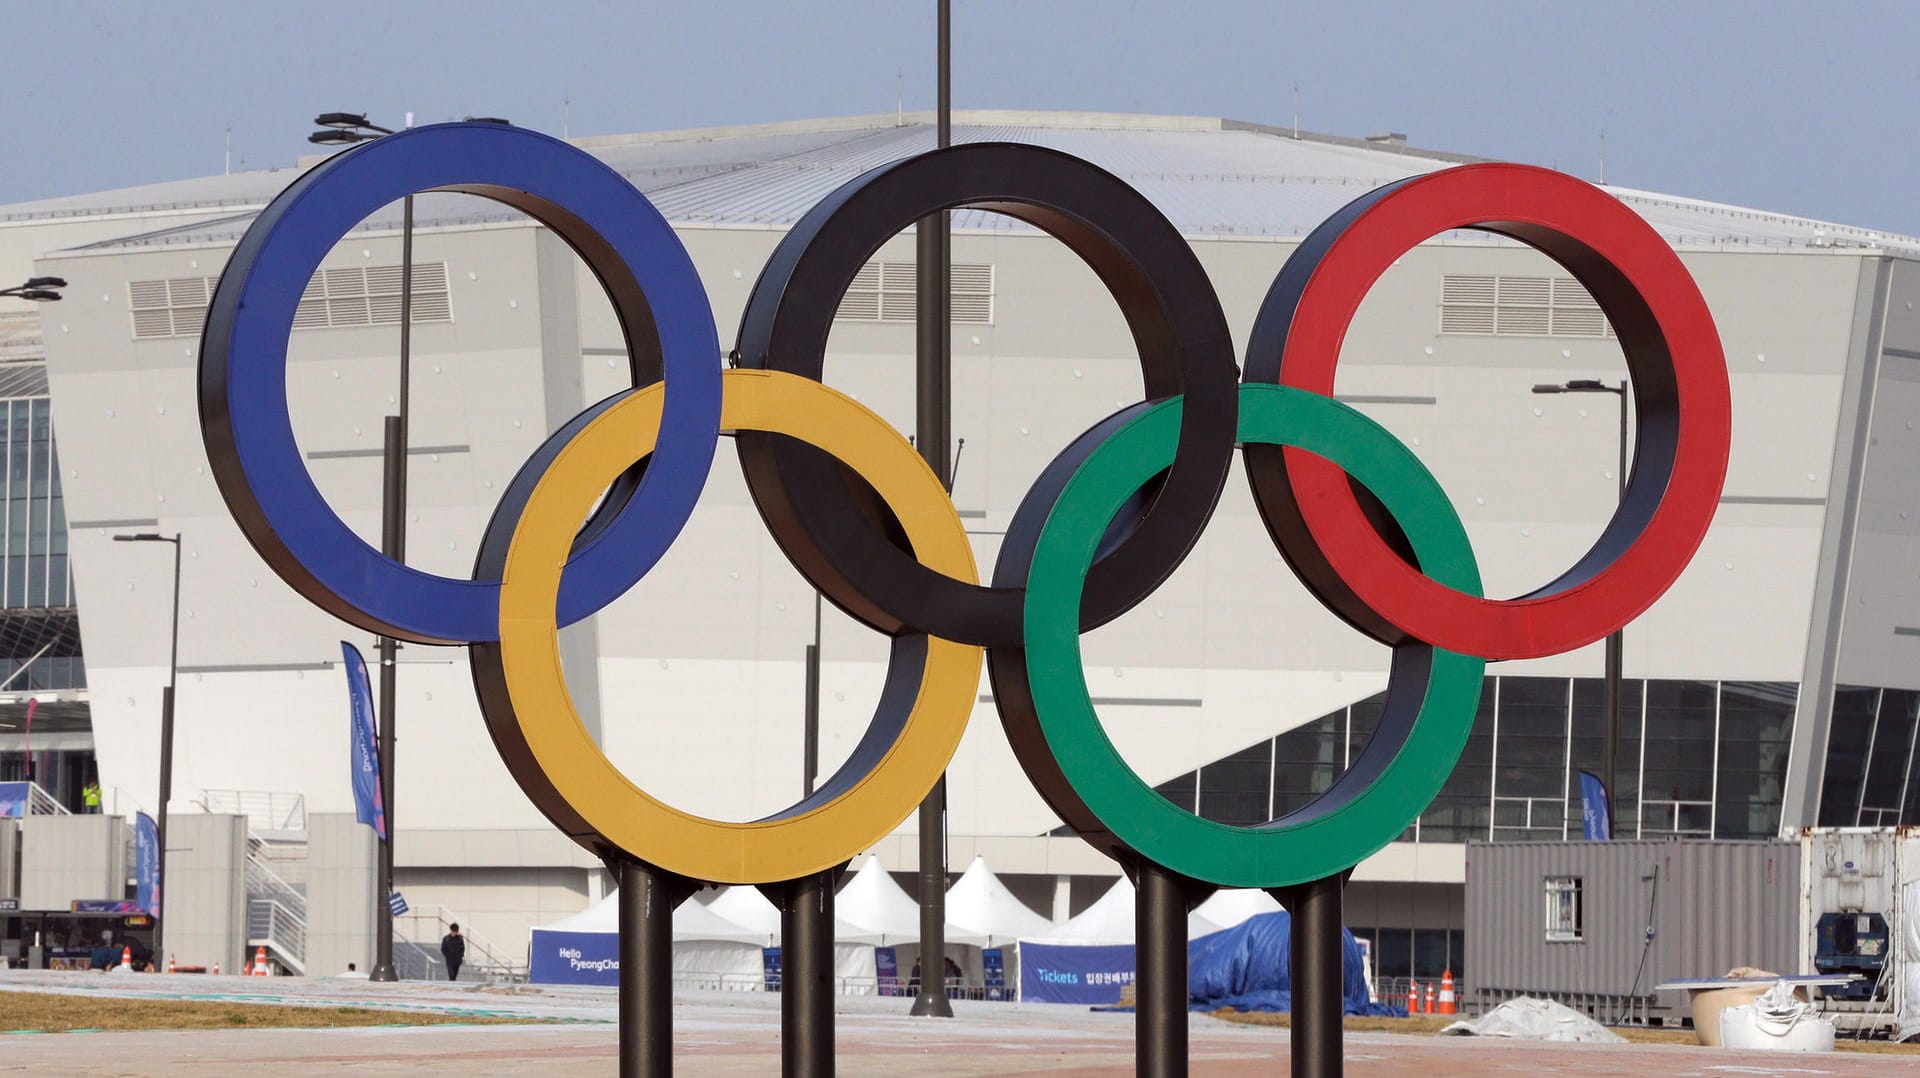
453	948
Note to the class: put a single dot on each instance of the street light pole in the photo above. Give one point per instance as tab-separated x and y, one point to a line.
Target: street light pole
166	735
1616	640
933	423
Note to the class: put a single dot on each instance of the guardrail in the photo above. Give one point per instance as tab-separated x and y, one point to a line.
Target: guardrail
1608	1009
270	924
265	810
484	961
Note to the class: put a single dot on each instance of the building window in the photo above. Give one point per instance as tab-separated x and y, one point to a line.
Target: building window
1519	306
886	292
1563	908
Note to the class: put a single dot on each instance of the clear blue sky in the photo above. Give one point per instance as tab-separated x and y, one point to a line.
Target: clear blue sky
1803	108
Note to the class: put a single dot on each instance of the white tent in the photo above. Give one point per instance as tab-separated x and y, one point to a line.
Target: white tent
1233	907
692	922
853	963
983	913
1110	920
709	950
876	908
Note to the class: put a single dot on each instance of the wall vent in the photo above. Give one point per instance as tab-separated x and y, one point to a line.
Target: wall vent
1519	306
336	297
887	292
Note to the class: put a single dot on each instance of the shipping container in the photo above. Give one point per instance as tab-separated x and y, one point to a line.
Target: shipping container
1596	925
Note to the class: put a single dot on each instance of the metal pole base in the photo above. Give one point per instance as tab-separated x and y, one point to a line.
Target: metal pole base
1160	970
806	974
1318	965
648	895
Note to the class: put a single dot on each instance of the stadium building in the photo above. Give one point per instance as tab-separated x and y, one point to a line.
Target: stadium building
1775	686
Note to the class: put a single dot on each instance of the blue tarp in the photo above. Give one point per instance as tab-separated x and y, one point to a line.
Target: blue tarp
1245	968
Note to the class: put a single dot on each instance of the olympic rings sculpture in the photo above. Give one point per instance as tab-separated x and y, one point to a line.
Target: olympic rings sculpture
1353	512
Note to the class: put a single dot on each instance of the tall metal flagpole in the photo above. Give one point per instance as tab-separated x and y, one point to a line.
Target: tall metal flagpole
393	543
933	434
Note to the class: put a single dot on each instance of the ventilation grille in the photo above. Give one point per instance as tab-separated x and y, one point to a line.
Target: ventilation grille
345	296
1486	305
887	292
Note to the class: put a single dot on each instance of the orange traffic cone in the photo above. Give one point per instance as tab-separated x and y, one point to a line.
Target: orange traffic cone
259	963
126	956
1446	993
216	969
1413	997
169	963
1426	1006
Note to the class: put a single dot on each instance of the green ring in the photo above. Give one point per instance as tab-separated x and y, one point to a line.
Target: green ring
1310	844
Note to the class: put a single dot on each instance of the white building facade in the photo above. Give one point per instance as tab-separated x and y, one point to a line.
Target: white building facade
1776	684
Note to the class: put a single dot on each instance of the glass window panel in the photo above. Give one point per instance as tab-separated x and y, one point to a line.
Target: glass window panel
1394	953
1363	719
1892	747
1464	809
1531	761
1234	790
1307	760
1429	952
1588	748
1679	733
1756	730
1854	707
1179	791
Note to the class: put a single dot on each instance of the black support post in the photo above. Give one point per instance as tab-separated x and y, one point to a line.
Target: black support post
806	974
1317	969
648	896
1160	972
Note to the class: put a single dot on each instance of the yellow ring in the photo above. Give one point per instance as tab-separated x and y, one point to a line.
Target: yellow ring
557	743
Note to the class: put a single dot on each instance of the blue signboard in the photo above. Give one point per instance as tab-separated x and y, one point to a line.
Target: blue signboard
1596	822
993	961
368	808
105	905
13	798
146	864
770	962
1050	974
574	958
397	904
886	966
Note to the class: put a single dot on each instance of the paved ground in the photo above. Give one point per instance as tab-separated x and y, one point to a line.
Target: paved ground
732	1035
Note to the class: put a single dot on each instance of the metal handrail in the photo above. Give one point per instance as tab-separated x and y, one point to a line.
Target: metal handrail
266	810
270	923
482	956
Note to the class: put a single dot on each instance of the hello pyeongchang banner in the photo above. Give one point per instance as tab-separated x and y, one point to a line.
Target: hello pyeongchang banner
574	958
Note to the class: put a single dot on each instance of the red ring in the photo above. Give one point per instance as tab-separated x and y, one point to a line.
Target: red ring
1684	405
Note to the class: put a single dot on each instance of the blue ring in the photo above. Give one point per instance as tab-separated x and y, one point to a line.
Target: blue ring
243	368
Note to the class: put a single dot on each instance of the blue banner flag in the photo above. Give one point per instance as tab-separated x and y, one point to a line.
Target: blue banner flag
1596	820
368	806
14	797
146	864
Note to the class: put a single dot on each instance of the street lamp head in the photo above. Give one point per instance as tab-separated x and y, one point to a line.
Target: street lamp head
39	294
146	537
1550	388
45	282
486	120
1588	385
341	119
338	137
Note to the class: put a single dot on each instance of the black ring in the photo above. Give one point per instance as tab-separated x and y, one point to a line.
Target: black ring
822	521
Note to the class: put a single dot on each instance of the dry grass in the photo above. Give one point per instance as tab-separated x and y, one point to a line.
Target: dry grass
1431	1024
56	1013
